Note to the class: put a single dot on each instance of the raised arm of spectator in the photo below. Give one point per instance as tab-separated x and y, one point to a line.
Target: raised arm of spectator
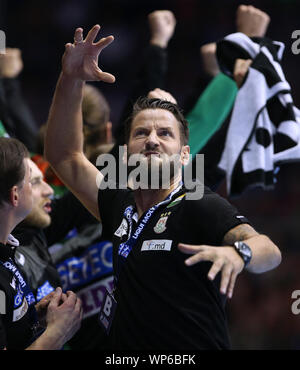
252	21
215	103
14	111
154	66
64	137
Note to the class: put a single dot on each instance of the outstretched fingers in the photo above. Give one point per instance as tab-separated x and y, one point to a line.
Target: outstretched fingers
215	269
91	67
92	34
232	284
228	276
224	260
225	280
78	35
190	249
200	253
105	41
107	77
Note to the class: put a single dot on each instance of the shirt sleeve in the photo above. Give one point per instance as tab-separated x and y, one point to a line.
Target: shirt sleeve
213	217
18	115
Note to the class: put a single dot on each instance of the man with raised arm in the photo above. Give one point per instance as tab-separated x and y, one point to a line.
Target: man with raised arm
161	299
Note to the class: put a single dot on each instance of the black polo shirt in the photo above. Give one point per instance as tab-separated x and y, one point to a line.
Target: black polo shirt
17	317
162	303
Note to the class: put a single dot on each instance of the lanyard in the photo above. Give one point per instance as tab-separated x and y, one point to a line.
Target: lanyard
9	265
126	248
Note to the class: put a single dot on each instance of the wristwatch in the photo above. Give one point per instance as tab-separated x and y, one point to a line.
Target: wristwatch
244	251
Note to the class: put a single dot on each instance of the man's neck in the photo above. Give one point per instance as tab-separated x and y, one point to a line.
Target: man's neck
145	199
3	234
7	224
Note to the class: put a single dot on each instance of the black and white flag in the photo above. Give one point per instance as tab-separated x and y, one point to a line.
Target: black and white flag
264	127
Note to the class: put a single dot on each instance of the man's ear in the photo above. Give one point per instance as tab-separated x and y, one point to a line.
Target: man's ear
14	196
185	155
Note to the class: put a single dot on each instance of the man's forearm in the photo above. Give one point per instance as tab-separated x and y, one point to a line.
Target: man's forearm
265	254
64	128
49	340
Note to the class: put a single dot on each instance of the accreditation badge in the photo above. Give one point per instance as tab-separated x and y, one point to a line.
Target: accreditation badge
107	311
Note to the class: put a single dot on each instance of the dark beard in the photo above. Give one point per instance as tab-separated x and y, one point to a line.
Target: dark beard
34	219
151	175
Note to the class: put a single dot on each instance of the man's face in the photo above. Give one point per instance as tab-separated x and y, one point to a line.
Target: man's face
155	134
41	193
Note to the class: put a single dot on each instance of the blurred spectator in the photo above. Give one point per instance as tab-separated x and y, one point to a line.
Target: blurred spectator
15	115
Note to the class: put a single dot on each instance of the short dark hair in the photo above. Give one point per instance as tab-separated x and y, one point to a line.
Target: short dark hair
12	169
146	103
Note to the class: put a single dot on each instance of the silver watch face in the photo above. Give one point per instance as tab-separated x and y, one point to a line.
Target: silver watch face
244	251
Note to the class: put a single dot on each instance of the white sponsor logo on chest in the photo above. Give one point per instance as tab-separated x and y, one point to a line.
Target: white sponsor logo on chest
20	312
156	245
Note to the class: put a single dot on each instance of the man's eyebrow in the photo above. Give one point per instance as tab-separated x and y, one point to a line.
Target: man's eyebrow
37	177
140	127
166	128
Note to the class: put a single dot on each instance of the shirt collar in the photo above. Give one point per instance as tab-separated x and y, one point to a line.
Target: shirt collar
12	241
8	250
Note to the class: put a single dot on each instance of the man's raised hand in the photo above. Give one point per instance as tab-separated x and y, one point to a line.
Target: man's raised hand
80	60
240	70
251	21
162	26
162	95
11	63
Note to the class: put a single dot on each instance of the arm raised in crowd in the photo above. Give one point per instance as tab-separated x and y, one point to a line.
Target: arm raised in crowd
162	26
213	106
15	114
64	138
251	21
154	66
